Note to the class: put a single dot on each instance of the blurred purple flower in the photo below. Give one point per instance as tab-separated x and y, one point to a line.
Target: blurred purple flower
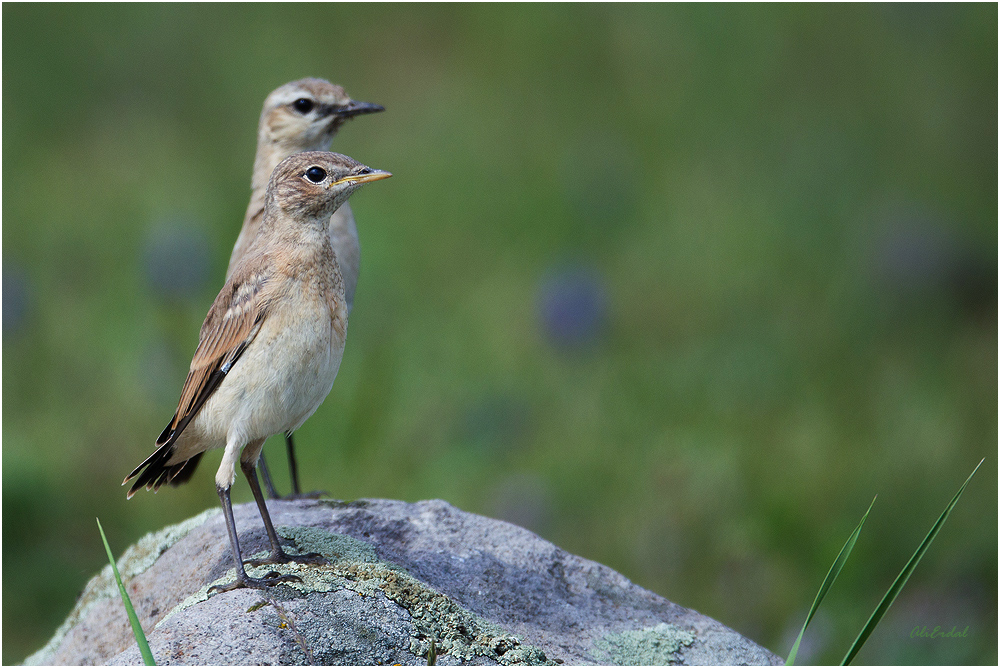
572	304
913	254
176	258
918	256
15	298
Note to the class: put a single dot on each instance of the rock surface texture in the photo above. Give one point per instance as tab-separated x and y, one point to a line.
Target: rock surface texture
402	578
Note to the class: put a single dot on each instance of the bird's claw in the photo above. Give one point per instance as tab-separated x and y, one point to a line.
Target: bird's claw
271	579
284	558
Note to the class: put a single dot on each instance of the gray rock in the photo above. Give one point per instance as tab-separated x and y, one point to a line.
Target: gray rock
401	577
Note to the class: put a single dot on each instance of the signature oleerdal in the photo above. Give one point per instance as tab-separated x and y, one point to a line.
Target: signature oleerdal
922	632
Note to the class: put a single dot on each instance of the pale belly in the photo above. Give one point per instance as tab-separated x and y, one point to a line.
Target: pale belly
281	379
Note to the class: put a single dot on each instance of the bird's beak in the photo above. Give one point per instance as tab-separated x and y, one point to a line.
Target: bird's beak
355	108
373	175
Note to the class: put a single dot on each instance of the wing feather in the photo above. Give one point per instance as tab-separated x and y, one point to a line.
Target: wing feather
232	322
230	326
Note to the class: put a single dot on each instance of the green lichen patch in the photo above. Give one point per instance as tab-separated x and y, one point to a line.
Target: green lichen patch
355	566
436	617
135	561
651	646
334	547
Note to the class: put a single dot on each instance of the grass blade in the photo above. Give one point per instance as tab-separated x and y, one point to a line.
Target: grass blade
140	637
904	575
831	577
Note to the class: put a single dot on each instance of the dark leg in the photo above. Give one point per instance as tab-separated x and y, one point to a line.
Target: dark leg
242	579
278	555
293	468
271	491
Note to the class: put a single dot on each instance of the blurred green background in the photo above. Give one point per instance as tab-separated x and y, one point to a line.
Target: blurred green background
680	288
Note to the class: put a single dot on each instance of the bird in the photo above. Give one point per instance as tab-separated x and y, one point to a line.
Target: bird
299	116
270	346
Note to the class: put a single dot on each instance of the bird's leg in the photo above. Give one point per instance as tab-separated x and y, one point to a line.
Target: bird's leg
242	579
293	467
271	491
278	555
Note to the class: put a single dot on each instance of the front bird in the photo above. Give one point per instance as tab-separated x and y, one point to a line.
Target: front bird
271	345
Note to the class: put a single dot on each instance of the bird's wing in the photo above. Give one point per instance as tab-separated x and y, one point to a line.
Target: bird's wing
231	325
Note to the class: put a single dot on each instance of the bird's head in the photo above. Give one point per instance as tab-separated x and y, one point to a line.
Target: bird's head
304	115
314	184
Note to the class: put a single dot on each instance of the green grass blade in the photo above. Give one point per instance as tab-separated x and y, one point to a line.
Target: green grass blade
831	577
904	575
140	637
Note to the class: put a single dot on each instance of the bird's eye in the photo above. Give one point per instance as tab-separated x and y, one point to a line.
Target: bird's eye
316	174
303	105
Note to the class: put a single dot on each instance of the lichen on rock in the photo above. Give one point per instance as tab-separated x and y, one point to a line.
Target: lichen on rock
354	566
650	646
400	578
136	560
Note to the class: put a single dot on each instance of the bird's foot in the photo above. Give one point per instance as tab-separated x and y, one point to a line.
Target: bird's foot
269	580
282	557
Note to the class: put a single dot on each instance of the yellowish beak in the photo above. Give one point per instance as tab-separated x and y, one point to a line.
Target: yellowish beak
374	175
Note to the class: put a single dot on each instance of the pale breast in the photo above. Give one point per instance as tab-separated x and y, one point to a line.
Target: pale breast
282	377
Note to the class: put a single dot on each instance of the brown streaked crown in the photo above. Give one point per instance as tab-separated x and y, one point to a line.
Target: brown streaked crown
315	183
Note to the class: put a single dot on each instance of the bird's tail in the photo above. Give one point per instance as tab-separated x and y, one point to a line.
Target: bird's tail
186	471
155	471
